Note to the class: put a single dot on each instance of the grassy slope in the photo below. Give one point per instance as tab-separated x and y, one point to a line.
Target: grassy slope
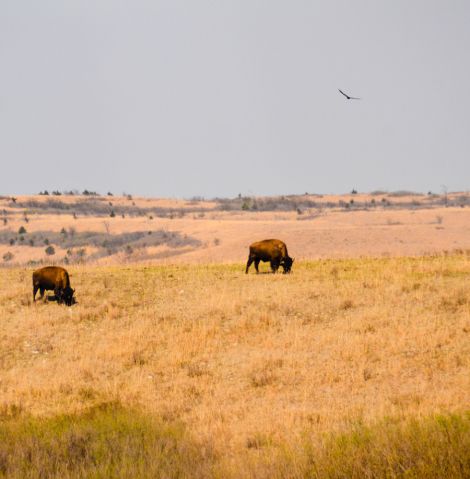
251	363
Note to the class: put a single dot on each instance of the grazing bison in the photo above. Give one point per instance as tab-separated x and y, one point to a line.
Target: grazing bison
272	250
56	279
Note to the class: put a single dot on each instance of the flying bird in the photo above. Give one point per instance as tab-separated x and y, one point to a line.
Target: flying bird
347	96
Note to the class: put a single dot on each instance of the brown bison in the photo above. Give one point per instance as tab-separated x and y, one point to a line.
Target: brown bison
56	279
272	250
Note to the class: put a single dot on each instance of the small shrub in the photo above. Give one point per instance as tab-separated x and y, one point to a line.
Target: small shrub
112	214
50	250
346	304
8	256
22	230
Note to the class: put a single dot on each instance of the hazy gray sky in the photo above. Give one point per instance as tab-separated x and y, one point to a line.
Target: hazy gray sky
206	97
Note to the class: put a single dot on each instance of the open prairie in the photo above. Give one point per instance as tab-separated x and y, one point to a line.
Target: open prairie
364	350
121	230
254	366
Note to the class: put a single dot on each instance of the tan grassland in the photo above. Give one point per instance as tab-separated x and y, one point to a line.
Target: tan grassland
245	361
372	328
224	236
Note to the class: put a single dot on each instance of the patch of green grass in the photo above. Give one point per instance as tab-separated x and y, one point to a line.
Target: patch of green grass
105	442
111	442
434	447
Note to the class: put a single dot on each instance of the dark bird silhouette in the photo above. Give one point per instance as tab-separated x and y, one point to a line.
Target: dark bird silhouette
347	96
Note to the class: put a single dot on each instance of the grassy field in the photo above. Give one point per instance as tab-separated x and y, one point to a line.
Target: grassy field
345	368
69	230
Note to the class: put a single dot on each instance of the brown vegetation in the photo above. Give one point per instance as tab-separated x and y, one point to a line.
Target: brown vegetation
261	370
81	229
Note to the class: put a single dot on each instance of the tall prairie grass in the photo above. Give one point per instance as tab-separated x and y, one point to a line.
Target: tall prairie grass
112	442
264	375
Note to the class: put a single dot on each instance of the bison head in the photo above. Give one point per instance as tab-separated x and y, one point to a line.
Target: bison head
65	295
287	264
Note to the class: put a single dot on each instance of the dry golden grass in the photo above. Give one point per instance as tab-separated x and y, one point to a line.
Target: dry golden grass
247	362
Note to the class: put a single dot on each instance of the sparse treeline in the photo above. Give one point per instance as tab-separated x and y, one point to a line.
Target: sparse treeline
100	206
85	192
376	199
102	244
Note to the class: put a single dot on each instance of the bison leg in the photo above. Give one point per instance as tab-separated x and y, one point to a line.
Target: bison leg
257	264
58	295
35	290
274	265
248	264
41	292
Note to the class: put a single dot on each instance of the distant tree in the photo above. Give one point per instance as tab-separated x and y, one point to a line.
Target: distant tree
110	194
354	192
50	250
112	214
22	230
246	205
